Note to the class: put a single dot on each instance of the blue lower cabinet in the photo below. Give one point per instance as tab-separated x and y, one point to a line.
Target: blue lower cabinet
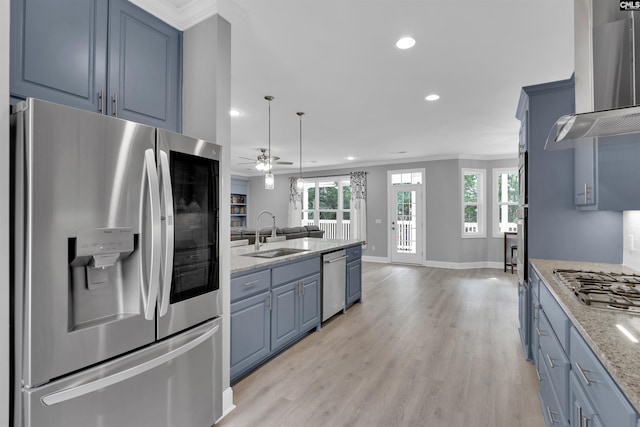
250	332
284	319
582	412
310	303
354	282
271	309
607	400
551	407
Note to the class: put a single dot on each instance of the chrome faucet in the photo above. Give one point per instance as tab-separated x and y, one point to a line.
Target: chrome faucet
273	228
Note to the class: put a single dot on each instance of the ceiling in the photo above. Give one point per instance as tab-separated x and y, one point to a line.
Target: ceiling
336	61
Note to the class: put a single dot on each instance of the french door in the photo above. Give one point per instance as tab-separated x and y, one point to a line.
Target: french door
405	217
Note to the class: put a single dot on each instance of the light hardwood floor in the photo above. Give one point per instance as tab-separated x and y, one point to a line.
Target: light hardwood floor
428	347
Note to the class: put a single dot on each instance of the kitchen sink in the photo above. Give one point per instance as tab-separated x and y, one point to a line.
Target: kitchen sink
274	253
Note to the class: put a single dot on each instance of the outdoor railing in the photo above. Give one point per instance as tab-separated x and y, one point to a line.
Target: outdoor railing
330	228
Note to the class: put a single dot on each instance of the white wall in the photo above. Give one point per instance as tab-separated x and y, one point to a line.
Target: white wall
206	101
631	239
4	213
443	244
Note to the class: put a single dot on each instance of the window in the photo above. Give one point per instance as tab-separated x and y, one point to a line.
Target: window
505	196
473	203
326	203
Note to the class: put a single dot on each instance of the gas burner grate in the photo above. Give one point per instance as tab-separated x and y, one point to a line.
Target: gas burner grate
603	289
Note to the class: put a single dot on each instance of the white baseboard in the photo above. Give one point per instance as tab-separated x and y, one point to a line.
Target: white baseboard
227	403
464	265
378	259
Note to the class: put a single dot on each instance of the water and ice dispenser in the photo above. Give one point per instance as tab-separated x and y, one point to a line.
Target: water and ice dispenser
103	284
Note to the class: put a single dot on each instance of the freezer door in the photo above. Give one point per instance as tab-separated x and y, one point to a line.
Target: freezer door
176	382
83	248
190	280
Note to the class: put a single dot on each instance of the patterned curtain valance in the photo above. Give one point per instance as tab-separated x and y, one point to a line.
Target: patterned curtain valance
295	196
358	185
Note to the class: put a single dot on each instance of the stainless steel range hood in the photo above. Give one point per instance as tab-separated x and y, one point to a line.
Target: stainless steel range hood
607	80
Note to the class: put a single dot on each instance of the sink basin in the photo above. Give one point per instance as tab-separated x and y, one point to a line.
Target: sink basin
274	253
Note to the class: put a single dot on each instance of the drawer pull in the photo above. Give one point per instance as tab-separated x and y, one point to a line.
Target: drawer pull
583	375
550	412
550	359
251	283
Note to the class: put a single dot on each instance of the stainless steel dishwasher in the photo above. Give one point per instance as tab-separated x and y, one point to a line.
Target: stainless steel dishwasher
334	275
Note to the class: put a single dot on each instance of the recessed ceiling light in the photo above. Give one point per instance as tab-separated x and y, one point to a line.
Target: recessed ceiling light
234	113
405	43
350	158
432	97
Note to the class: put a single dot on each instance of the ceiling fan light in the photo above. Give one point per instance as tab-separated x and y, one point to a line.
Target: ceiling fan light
269	181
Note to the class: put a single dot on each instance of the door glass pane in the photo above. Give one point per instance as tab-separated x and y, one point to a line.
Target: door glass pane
406	222
195	202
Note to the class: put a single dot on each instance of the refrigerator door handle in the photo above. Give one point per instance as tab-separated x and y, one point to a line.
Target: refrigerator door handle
90	387
167	224
150	179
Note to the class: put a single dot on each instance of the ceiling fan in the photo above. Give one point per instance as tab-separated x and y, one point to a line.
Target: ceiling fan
263	163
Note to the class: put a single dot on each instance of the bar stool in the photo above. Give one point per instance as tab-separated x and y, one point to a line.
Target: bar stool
514	248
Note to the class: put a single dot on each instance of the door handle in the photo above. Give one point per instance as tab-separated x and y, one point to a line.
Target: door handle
150	180
101	99
90	387
166	218
114	101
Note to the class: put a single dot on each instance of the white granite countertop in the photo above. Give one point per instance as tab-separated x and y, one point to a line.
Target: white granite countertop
597	326
312	246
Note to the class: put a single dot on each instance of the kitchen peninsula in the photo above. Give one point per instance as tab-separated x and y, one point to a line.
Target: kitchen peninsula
276	300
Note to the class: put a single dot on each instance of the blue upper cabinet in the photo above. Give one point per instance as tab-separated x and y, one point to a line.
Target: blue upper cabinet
104	56
59	51
144	67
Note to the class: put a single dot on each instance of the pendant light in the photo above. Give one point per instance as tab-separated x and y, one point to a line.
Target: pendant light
269	181
300	182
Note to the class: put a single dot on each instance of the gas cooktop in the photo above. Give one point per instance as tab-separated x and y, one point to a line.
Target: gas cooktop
604	290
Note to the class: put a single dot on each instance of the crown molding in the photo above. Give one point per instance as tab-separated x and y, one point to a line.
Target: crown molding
185	15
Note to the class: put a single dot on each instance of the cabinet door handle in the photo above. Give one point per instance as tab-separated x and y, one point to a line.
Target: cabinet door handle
114	100
101	99
269	301
580	415
550	359
539	332
550	412
253	282
538	375
583	374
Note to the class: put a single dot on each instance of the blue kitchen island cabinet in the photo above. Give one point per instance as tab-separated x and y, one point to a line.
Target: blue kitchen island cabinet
296	300
272	308
354	275
104	56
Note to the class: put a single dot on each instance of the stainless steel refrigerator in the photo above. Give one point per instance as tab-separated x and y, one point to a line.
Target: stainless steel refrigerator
116	305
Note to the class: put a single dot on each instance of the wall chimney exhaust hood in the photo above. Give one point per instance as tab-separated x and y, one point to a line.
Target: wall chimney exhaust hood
607	80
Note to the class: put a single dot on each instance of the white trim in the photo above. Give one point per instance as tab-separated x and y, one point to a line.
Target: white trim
481	204
386	162
227	403
495	202
464	265
421	239
376	259
192	13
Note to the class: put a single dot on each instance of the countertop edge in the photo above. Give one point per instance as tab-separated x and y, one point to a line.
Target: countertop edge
313	246
617	354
